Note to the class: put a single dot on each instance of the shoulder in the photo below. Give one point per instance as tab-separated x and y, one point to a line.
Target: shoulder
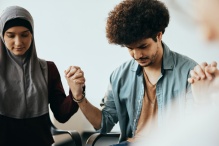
53	71
124	69
124	66
51	66
183	59
50	63
175	59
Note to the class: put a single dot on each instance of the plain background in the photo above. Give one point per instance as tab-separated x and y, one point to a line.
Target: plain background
72	32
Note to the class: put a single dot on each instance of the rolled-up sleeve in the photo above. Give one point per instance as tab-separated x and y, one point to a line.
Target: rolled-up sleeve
109	112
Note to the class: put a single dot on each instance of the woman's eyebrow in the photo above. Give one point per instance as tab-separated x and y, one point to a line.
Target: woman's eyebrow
14	32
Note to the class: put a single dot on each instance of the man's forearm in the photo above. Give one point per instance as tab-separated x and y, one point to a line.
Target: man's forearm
92	113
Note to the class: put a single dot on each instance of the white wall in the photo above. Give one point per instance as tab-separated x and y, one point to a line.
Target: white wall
71	32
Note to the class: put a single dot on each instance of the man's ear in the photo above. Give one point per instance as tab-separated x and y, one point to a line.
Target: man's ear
159	36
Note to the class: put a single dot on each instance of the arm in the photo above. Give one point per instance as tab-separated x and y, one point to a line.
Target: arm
62	107
75	78
93	114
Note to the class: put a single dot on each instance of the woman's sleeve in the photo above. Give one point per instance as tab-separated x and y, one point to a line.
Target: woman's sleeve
62	106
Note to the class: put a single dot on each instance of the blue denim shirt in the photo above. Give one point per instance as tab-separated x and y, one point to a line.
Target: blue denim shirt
124	96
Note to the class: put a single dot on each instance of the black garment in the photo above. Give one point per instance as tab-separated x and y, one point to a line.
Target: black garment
25	132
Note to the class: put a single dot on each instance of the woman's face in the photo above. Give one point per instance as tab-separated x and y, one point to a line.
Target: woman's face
18	39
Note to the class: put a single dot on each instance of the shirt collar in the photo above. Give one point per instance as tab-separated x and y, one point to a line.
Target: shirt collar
168	61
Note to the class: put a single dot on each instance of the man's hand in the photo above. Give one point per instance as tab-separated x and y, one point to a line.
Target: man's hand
205	82
75	78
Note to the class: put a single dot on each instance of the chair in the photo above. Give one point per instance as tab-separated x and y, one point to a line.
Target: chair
98	139
75	136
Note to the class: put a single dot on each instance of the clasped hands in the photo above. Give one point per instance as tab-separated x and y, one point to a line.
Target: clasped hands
75	78
205	82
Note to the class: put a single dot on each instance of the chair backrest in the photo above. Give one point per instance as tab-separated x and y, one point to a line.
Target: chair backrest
98	139
75	136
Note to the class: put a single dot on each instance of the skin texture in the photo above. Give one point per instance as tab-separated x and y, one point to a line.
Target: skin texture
148	53
18	39
208	20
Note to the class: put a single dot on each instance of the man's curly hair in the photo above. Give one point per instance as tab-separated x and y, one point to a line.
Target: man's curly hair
133	20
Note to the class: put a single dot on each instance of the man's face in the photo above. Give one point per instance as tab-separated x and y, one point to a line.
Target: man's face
207	12
145	52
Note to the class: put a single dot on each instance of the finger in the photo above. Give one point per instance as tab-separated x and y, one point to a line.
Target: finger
79	73
71	68
72	71
214	64
212	68
191	80
203	65
78	76
82	73
67	70
80	81
200	70
210	72
194	75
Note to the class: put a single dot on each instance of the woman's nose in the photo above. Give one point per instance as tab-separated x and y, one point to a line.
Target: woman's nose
18	41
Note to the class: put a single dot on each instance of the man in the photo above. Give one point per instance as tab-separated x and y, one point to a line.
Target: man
140	90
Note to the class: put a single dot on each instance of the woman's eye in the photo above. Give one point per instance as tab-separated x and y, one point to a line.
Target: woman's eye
10	36
25	35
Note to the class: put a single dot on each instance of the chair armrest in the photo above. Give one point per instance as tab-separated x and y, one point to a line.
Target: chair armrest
94	137
75	136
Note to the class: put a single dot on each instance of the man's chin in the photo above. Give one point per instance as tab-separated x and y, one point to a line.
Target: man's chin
145	65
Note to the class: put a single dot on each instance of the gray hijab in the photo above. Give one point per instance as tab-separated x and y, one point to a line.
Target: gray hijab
23	79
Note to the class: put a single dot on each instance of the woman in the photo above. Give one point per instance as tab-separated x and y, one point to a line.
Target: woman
27	85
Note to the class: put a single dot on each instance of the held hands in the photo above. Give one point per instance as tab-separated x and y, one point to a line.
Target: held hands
75	78
205	82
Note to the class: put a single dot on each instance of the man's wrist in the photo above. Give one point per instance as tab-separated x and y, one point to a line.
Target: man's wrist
79	100
82	98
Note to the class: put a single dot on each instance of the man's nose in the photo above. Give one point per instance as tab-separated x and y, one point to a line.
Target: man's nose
138	53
